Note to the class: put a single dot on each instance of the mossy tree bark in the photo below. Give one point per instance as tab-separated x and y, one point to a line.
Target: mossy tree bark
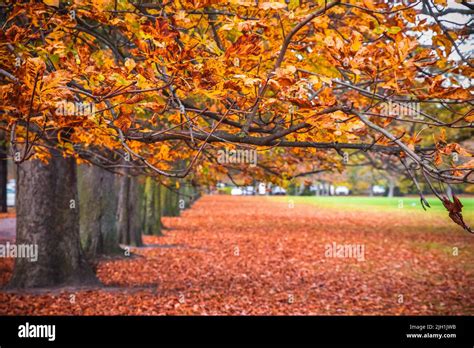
48	216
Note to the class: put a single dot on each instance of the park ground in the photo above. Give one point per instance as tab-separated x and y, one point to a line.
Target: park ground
267	255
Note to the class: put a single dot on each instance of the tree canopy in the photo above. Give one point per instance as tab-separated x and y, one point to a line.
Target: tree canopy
159	87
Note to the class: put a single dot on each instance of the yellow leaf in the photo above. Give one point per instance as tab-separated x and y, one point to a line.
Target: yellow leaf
326	97
130	64
315	82
54	3
469	117
356	45
293	4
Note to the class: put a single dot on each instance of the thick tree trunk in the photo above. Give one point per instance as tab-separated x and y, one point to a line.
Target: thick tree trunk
48	216
128	212
135	213
3	173
98	207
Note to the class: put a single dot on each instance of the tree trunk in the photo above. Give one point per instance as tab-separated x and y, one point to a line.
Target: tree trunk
122	209
391	187
98	206
152	214
48	216
135	213
157	195
148	200
170	200
3	173
128	212
325	188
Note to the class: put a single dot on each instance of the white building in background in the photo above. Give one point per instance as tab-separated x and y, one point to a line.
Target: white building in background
342	191
278	191
236	191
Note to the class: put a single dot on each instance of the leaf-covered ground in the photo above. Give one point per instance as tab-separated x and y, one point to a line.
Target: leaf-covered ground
261	255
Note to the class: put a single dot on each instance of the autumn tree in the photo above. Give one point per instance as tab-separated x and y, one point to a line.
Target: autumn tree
50	191
157	88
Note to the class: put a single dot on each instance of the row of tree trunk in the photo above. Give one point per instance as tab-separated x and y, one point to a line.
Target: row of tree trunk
77	214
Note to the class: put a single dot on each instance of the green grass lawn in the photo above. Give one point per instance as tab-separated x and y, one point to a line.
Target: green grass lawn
381	203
